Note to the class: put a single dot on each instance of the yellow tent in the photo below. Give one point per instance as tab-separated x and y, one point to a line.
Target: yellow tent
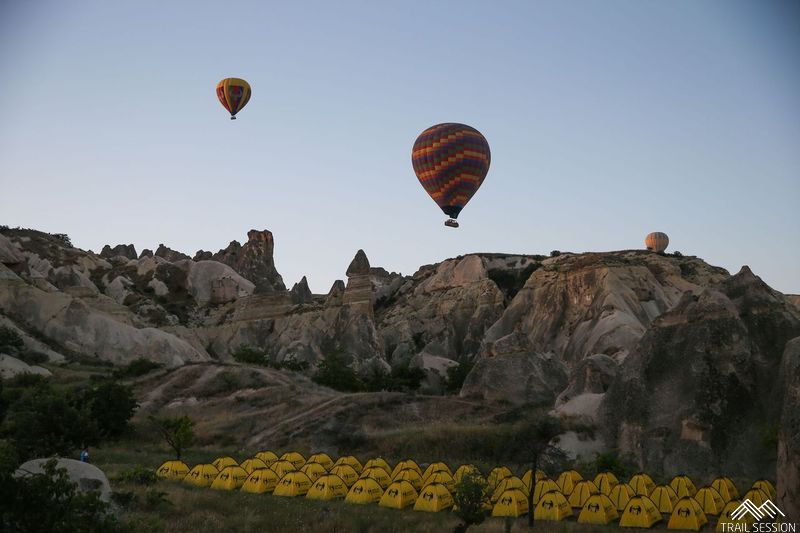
313	470
581	492
726	488
282	467
433	498
621	495
552	506
201	475
346	472
172	470
322	458
463	469
642	484
327	487
767	487
398	495
496	476
230	478
379	462
605	481
260	480
295	458
221	462
410	475
293	484
687	515
512	502
365	490
757	496
435	467
640	512
350	461
267	456
402	465
727	524
378	474
665	498
566	481
251	464
526	477
510	482
710	500
442	477
598	509
543	487
683	486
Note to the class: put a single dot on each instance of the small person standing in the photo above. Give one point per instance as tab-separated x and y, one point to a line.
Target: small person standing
85	455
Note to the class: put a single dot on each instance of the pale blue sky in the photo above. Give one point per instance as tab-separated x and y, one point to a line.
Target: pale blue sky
606	120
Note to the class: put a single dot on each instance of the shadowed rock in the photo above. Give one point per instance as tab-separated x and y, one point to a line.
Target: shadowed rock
124	250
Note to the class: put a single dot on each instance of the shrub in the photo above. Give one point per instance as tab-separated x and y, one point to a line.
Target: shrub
456	376
50	501
294	366
555	253
138	475
250	356
137	367
676	253
334	371
32	357
10	341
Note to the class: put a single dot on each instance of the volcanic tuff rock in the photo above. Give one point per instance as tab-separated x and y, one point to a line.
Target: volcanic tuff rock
698	391
125	250
169	254
253	261
788	468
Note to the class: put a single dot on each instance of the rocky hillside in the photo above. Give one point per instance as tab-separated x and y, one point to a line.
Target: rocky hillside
682	365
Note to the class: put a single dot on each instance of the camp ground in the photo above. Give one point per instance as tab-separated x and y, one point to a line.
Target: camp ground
587	500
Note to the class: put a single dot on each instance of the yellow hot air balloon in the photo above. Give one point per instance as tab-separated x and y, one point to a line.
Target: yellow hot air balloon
233	94
656	241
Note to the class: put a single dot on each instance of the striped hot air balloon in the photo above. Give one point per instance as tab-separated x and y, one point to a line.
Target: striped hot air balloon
233	94
656	241
451	161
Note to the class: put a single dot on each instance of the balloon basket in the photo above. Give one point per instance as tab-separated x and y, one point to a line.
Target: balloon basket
233	118
451	223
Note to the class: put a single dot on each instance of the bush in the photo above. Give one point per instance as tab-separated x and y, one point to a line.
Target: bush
456	376
294	366
250	356
137	367
178	432
138	475
334	372
50	501
555	253
676	253
10	341
32	357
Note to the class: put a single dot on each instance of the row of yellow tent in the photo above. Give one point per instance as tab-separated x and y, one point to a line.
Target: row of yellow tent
637	503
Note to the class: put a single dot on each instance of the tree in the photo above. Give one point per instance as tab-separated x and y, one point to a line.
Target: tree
178	432
469	499
532	439
43	421
111	405
50	501
457	374
334	371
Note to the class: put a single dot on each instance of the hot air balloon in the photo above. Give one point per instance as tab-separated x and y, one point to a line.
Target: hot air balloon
233	94
451	161
656	241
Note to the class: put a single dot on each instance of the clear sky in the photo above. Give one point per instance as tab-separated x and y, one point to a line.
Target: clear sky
606	120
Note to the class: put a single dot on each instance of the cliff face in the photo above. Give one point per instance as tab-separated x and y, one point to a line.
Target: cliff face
683	366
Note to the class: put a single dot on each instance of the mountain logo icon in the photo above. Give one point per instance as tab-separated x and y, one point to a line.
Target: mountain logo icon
767	510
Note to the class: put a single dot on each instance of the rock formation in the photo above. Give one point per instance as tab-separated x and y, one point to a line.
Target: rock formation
125	250
788	468
253	261
169	254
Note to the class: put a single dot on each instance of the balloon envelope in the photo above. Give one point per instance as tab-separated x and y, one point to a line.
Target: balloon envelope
233	94
451	161
656	241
